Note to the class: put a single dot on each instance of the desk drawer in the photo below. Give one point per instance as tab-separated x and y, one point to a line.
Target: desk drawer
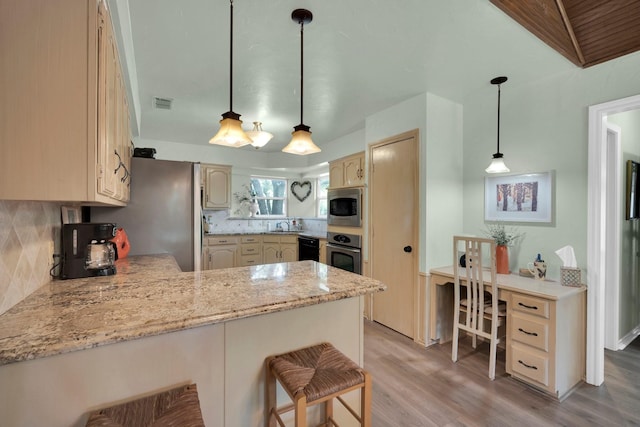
530	364
529	331
251	248
531	305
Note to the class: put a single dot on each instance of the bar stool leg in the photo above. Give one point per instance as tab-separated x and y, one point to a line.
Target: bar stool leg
269	397
301	411
365	401
328	410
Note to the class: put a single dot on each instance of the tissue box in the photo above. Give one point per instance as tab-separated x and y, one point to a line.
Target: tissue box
570	276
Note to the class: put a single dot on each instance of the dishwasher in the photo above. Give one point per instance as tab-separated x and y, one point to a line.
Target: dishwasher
308	248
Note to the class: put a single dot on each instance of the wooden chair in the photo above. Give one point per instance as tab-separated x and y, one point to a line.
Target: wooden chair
311	376
179	406
480	303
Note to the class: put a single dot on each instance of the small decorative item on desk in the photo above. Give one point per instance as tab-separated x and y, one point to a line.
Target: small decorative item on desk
538	268
503	238
569	273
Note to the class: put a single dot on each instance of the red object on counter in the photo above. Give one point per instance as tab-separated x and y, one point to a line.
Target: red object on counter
121	241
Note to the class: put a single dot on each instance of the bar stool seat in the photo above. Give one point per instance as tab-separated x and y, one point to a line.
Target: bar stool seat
179	406
314	375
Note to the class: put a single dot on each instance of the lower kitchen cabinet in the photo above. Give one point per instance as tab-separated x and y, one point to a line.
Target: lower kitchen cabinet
224	251
220	252
250	250
277	248
323	251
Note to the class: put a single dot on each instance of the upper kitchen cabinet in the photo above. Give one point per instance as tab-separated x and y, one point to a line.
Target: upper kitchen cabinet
217	186
347	171
65	133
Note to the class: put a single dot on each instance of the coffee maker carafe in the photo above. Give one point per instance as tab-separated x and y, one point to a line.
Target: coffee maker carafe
87	250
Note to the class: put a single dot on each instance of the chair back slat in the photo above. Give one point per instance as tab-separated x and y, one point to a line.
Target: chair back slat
480	265
477	276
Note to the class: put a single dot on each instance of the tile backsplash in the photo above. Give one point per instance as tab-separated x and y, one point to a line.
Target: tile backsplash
28	233
221	222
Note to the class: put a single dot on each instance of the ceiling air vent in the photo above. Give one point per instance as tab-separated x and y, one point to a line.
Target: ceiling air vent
162	103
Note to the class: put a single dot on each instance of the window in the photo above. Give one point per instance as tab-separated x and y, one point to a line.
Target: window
271	195
322	183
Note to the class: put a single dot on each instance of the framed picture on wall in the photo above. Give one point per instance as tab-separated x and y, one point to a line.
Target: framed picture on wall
519	198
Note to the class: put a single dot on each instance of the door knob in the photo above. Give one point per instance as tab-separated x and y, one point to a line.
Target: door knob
407	249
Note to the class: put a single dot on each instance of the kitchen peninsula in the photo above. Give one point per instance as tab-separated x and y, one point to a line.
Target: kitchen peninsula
165	328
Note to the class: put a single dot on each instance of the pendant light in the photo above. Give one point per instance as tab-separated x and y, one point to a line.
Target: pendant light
497	164
230	133
301	142
259	137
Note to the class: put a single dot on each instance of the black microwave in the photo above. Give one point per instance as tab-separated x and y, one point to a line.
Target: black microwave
344	207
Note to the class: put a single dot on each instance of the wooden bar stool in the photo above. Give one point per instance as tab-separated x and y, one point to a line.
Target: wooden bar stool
315	375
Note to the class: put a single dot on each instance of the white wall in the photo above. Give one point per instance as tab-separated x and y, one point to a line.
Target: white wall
439	122
543	127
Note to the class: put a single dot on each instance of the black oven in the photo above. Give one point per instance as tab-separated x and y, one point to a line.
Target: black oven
344	207
344	251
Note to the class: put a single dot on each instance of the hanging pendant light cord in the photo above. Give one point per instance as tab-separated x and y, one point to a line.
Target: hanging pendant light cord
301	69
231	58
498	118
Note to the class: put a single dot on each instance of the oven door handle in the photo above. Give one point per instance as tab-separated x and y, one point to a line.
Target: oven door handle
344	248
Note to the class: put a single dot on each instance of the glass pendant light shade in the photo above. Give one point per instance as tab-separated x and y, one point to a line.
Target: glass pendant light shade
230	133
301	142
497	163
259	137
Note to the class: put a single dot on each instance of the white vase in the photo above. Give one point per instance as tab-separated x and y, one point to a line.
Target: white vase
253	209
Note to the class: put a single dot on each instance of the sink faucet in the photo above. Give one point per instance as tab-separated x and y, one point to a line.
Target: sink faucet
286	221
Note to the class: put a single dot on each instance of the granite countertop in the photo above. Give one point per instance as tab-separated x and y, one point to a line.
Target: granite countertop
150	295
305	233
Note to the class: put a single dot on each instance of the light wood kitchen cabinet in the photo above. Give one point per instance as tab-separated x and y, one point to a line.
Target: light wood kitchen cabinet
114	146
546	341
220	252
63	104
347	171
217	186
251	250
322	251
280	248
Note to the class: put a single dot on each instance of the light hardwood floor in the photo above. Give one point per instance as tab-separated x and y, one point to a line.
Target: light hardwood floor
417	386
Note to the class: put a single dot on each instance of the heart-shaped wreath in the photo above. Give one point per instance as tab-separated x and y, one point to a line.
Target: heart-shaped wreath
301	190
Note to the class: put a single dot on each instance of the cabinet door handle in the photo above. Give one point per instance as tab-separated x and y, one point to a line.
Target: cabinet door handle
535	334
527	366
530	307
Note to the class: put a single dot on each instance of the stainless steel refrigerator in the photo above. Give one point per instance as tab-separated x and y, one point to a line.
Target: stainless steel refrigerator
164	211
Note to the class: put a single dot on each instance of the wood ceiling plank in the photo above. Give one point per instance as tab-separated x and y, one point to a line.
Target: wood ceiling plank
543	19
587	32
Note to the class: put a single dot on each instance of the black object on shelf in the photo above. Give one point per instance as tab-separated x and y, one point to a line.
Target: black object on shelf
148	153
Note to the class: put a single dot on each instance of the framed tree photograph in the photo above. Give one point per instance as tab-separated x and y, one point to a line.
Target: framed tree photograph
519	198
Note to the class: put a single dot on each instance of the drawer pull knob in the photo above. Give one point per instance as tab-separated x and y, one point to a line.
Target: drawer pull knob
527	366
530	307
535	334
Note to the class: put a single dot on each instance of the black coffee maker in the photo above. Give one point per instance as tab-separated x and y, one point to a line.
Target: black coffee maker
87	250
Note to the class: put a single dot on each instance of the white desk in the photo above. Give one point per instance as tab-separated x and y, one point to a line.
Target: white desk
545	344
